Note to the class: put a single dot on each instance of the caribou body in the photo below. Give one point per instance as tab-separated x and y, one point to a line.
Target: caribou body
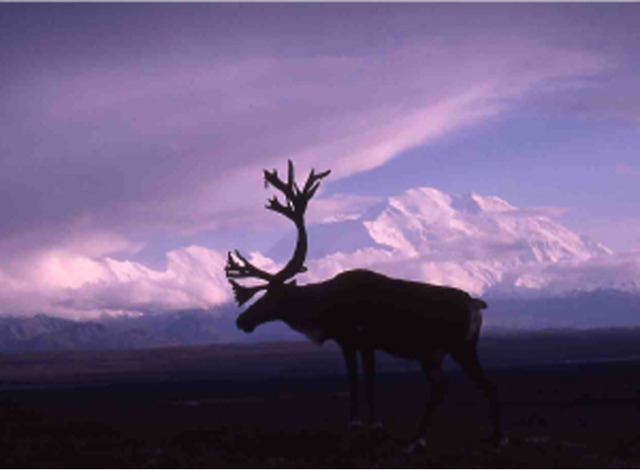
364	311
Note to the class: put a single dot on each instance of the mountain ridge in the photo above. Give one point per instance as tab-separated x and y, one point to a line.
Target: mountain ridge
596	310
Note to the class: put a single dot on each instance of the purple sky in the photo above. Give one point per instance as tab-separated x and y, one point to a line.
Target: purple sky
131	131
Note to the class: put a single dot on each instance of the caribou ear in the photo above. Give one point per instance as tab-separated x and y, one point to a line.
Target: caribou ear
243	293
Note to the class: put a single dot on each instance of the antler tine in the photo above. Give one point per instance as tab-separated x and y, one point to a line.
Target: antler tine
309	189
313	183
273	179
275	205
244	268
296	199
290	175
244	293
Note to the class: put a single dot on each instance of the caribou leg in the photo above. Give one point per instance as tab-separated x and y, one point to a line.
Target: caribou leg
369	367
467	357
432	370
351	361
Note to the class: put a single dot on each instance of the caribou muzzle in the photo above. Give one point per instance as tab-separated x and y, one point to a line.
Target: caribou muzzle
244	326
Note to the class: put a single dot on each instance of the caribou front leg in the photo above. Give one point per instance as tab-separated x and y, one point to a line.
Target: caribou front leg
351	362
369	368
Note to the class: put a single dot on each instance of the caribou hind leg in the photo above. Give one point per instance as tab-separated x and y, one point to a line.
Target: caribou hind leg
432	370
467	357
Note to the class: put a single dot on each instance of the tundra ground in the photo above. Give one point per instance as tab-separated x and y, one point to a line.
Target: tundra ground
570	415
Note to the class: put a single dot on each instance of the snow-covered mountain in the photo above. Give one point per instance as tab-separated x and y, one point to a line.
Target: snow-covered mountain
478	243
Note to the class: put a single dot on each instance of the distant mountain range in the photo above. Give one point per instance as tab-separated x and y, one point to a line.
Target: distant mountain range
43	332
582	310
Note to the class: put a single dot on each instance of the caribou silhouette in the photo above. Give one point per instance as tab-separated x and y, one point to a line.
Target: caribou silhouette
364	311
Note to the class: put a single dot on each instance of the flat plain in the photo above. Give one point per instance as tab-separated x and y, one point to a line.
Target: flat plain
284	405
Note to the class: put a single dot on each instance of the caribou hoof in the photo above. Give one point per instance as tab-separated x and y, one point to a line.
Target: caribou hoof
377	426
501	440
377	430
498	439
418	445
355	425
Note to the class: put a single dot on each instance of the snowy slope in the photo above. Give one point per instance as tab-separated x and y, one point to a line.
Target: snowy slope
475	242
425	221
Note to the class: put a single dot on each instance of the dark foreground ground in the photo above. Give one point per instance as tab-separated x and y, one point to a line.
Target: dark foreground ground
285	406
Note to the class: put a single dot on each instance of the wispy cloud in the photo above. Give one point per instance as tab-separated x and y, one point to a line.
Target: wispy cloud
631	170
340	207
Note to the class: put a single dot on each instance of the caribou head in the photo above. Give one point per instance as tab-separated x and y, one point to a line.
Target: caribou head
274	303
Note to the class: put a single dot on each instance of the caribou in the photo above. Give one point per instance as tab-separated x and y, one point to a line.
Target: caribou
364	311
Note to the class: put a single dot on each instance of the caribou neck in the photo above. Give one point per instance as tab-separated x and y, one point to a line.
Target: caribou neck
303	315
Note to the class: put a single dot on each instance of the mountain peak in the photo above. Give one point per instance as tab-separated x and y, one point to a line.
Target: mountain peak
473	203
423	201
470	241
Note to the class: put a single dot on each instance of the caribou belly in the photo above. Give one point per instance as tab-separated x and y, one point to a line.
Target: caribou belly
417	338
312	331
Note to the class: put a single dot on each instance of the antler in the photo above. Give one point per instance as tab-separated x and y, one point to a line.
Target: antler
295	205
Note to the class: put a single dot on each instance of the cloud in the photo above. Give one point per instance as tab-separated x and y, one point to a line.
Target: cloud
180	145
619	234
542	211
630	170
601	98
339	207
78	286
619	271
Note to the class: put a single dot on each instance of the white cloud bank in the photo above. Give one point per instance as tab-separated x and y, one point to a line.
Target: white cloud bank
77	286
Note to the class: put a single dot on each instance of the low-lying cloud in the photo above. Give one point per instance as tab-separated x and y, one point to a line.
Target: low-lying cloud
76	286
